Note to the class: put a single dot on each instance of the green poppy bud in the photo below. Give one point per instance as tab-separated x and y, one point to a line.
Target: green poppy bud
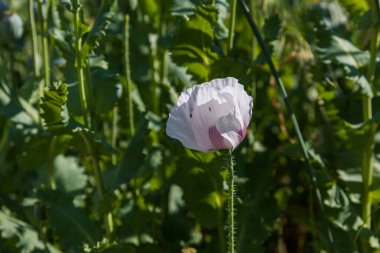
11	27
3	7
127	6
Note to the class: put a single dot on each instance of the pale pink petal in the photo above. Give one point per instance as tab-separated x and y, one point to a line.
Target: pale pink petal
210	106
179	127
232	128
230	86
211	116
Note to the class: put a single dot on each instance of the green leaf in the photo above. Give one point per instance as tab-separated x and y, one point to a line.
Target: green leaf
99	29
27	238
53	105
69	175
71	225
354	7
186	8
192	46
104	89
105	246
202	182
352	58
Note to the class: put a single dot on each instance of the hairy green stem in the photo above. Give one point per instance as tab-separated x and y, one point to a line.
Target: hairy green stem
368	155
79	63
231	31
128	74
289	108
231	200
45	45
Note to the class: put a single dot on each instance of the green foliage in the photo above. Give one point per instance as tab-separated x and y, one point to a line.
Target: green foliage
27	237
71	224
197	56
64	179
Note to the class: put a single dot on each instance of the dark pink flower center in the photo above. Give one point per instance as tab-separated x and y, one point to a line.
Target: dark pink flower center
218	140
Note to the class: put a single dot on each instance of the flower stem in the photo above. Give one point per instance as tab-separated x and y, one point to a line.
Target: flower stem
231	208
45	47
128	74
285	98
231	31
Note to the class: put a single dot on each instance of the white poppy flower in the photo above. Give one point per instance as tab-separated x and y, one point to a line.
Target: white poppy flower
211	116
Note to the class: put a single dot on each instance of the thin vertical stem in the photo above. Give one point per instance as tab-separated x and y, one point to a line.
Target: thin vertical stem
231	31
367	163
79	63
34	40
108	220
231	200
285	98
45	46
128	74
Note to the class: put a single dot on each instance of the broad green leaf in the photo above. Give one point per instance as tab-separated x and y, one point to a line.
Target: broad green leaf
344	52
72	226
27	238
104	89
99	29
187	7
202	183
192	43
69	175
354	7
105	246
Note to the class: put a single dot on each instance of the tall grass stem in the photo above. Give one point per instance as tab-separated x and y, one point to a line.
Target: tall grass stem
79	63
293	119
33	30
128	74
45	44
231	31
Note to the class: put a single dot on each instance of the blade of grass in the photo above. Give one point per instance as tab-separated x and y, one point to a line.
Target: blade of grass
285	98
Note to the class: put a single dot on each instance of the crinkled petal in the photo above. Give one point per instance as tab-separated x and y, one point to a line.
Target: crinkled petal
232	128
205	115
179	126
230	86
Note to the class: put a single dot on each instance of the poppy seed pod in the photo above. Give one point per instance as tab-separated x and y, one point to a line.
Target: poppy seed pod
211	116
127	6
3	7
11	27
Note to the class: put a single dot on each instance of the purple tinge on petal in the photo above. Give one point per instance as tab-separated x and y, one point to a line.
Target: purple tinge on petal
217	139
219	142
242	133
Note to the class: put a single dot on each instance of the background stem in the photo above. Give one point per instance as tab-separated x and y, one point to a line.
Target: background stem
231	30
367	163
128	74
45	47
34	40
79	61
292	116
